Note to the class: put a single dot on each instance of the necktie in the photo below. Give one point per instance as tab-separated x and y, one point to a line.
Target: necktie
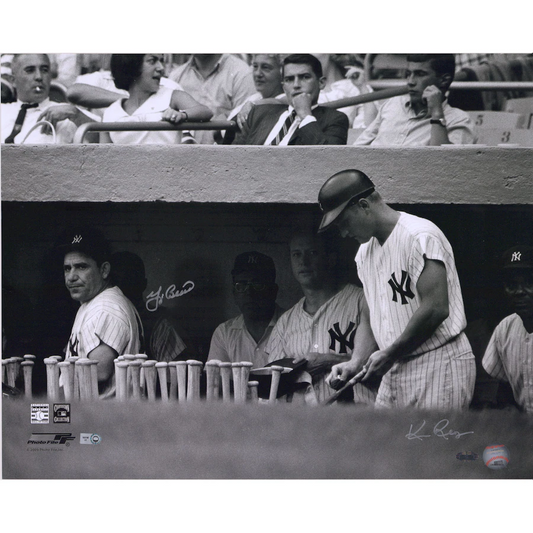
284	129
18	122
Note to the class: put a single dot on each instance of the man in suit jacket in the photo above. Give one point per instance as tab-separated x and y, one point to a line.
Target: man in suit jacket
302	122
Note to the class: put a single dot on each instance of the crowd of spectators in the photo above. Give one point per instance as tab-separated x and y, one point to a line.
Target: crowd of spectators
201	87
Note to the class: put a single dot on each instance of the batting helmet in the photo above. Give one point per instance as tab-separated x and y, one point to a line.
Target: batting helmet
339	190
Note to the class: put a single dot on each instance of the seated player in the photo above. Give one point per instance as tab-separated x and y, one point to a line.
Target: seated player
303	121
244	337
509	355
106	324
329	325
423	117
164	339
148	101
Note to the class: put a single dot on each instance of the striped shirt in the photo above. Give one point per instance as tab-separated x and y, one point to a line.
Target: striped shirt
232	342
109	318
440	373
509	357
331	329
390	273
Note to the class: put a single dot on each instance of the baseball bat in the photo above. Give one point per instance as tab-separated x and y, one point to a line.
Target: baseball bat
350	383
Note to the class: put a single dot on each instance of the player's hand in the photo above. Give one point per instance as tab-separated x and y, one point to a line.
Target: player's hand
242	115
302	105
378	364
343	372
57	113
173	116
433	97
318	363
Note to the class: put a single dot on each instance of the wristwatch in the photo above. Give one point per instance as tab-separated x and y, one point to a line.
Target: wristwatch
440	121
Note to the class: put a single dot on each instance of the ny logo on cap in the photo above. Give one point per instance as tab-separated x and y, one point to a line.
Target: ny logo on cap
516	256
252	259
77	239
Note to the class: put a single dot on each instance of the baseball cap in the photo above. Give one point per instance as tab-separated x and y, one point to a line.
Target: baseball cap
255	263
339	190
520	256
86	240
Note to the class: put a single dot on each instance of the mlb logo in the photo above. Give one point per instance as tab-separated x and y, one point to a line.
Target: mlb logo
40	413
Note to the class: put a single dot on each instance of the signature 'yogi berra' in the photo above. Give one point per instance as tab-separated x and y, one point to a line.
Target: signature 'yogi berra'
412	289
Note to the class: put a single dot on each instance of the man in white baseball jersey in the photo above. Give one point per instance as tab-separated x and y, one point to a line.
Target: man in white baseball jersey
412	288
329	325
244	337
106	324
509	354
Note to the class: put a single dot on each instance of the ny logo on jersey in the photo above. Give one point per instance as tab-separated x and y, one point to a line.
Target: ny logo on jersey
77	239
517	256
73	344
403	288
345	339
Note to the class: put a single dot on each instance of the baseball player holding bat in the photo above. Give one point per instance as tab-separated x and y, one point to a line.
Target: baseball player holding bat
412	289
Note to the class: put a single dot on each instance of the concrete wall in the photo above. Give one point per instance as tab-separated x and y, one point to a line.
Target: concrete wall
100	173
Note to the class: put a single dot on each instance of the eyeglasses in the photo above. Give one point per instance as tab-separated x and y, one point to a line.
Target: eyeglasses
255	287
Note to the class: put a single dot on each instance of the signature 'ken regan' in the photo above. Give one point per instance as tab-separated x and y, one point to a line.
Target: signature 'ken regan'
438	431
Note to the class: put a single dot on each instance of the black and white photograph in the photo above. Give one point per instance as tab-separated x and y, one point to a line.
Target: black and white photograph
302	268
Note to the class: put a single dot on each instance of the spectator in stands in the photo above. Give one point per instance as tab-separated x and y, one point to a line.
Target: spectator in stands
509	355
148	101
219	81
266	72
31	79
354	84
96	90
164	339
329	323
244	337
423	117
65	68
303	121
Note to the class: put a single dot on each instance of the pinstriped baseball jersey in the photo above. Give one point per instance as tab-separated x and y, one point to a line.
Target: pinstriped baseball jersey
509	357
330	330
109	318
389	274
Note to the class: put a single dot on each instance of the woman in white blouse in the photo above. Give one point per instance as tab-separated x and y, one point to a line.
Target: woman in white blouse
148	101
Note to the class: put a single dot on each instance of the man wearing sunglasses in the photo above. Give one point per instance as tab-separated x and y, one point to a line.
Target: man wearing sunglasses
244	337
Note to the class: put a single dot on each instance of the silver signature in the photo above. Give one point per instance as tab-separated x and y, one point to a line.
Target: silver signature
155	298
438	430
